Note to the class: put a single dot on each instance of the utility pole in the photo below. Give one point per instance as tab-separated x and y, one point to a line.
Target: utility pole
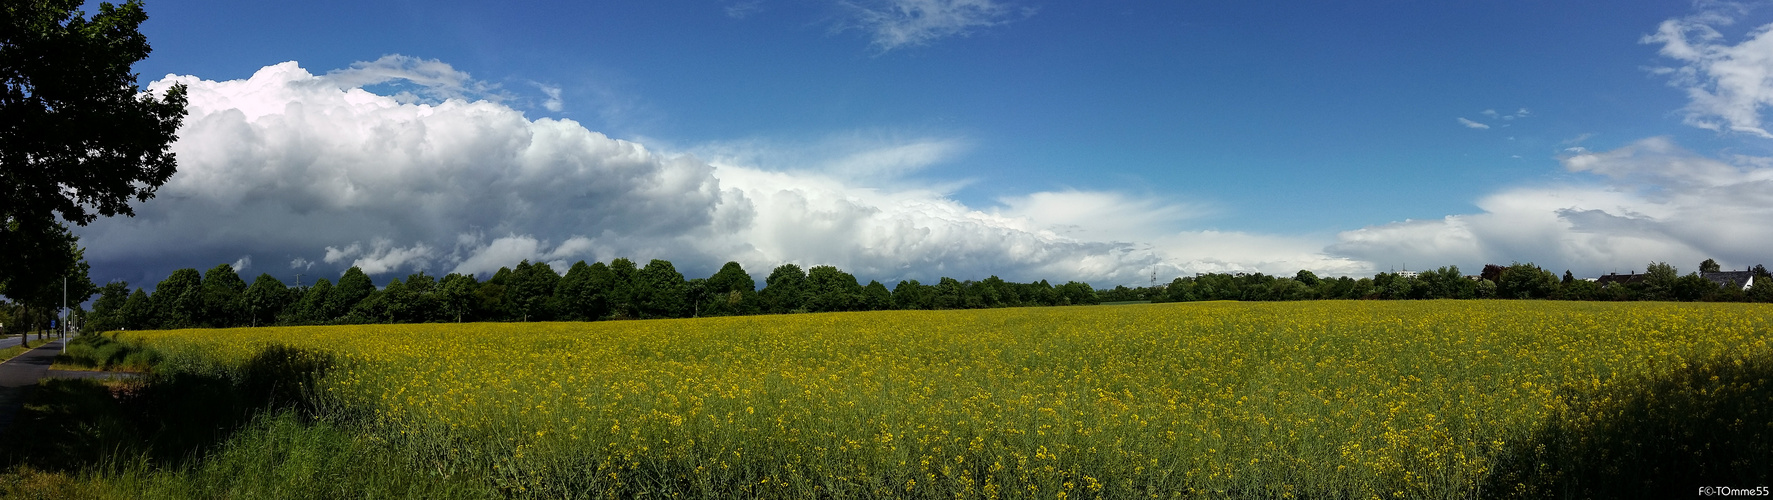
64	314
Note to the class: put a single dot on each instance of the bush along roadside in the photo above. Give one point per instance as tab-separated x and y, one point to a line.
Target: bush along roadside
101	352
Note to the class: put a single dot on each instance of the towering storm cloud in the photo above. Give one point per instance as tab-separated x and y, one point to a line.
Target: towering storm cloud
294	172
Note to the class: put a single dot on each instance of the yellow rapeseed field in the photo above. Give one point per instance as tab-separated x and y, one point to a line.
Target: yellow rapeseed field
1353	399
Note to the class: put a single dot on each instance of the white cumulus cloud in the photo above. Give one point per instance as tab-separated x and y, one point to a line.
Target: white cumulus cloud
1648	201
287	163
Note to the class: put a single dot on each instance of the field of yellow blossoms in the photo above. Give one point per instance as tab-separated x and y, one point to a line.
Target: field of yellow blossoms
1328	399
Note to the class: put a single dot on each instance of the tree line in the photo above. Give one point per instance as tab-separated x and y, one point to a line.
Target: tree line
535	292
621	289
1660	281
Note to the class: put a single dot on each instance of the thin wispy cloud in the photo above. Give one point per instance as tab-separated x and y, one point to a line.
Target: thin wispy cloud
1495	116
908	23
1727	85
432	80
1519	113
554	103
741	10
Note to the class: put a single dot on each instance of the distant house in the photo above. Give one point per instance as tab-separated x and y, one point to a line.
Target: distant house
1743	279
1622	279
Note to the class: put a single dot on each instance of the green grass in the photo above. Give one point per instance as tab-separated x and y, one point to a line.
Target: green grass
96	352
190	435
11	352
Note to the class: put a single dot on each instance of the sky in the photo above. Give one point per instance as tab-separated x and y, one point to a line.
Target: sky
1103	142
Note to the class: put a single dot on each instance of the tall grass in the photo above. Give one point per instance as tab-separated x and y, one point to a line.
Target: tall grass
100	352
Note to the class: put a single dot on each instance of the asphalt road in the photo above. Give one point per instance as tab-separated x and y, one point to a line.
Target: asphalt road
12	340
20	375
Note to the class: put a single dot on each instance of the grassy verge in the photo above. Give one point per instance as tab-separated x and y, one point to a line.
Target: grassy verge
207	431
12	352
97	352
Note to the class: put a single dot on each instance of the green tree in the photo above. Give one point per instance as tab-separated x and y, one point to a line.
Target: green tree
1077	293
1710	266
911	295
1337	288
36	281
660	292
584	292
456	295
78	138
1761	290
107	310
1492	272
731	291
1217	286
1307	277
353	287
311	309
994	292
876	297
374	307
731	277
1659	282
1181	290
573	293
1580	290
1289	289
1692	287
950	293
784	290
530	291
1120	293
492	297
417	302
1365	288
178	299
399	302
137	312
622	273
696	296
1043	293
264	300
830	289
222	290
1445	283
1526	281
1393	286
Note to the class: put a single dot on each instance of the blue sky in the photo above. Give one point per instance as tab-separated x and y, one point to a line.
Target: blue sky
1072	140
